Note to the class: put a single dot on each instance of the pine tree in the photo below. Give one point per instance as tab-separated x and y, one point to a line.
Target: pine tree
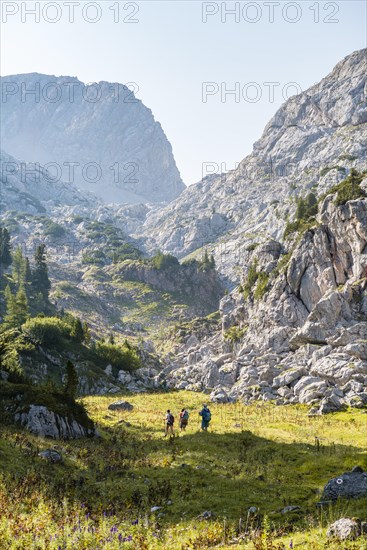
71	381
86	332
27	272
19	267
40	280
77	332
16	308
111	339
5	248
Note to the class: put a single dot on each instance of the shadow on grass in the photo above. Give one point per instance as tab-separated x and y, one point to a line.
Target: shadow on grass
129	470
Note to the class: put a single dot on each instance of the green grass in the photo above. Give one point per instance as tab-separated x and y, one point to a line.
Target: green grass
259	455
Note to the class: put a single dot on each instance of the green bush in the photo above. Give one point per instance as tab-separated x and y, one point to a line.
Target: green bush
348	189
262	285
235	333
124	252
164	261
53	229
251	279
12	342
94	257
46	330
305	215
122	357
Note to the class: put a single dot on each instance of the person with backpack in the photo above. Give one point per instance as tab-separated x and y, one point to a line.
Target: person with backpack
184	419
169	421
206	417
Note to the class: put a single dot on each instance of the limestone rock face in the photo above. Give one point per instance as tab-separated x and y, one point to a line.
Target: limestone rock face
101	137
40	421
29	188
303	340
310	143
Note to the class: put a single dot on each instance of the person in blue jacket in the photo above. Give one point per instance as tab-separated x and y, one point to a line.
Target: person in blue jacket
206	417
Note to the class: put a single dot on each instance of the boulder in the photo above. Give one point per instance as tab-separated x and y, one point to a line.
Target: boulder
51	456
207	515
219	395
120	406
345	529
348	485
289	376
40	421
330	404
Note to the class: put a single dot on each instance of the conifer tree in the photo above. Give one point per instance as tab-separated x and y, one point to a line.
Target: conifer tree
5	248
86	332
77	332
71	381
40	280
19	267
17	311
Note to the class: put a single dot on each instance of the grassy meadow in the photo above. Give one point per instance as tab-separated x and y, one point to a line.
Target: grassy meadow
102	495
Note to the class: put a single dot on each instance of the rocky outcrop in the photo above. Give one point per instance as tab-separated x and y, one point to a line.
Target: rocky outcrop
303	339
202	287
40	421
311	143
99	136
27	187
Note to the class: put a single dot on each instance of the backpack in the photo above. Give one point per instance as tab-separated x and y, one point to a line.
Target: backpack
207	415
185	415
170	419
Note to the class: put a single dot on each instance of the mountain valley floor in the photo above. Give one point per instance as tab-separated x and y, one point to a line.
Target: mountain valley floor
132	488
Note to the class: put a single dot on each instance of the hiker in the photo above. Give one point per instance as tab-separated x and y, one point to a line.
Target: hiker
206	417
184	419
169	421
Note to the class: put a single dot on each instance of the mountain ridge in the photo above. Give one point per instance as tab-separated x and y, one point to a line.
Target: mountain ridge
229	212
109	128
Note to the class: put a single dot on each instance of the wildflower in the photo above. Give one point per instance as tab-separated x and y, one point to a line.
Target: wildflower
135	522
291	544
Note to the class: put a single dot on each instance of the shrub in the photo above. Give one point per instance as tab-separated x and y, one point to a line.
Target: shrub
349	189
262	285
11	343
234	334
251	279
53	229
122	357
305	215
164	261
124	252
94	257
47	330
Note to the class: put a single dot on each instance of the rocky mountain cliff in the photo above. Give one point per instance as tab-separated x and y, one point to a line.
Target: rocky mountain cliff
301	336
30	189
99	132
309	145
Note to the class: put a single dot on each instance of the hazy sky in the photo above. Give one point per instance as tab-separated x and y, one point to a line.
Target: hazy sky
170	49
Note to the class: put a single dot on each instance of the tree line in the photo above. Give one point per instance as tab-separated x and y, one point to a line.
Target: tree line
26	288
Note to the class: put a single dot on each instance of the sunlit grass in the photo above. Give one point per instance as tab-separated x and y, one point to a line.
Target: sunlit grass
260	455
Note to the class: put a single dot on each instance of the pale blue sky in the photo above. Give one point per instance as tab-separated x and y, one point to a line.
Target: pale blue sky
170	52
